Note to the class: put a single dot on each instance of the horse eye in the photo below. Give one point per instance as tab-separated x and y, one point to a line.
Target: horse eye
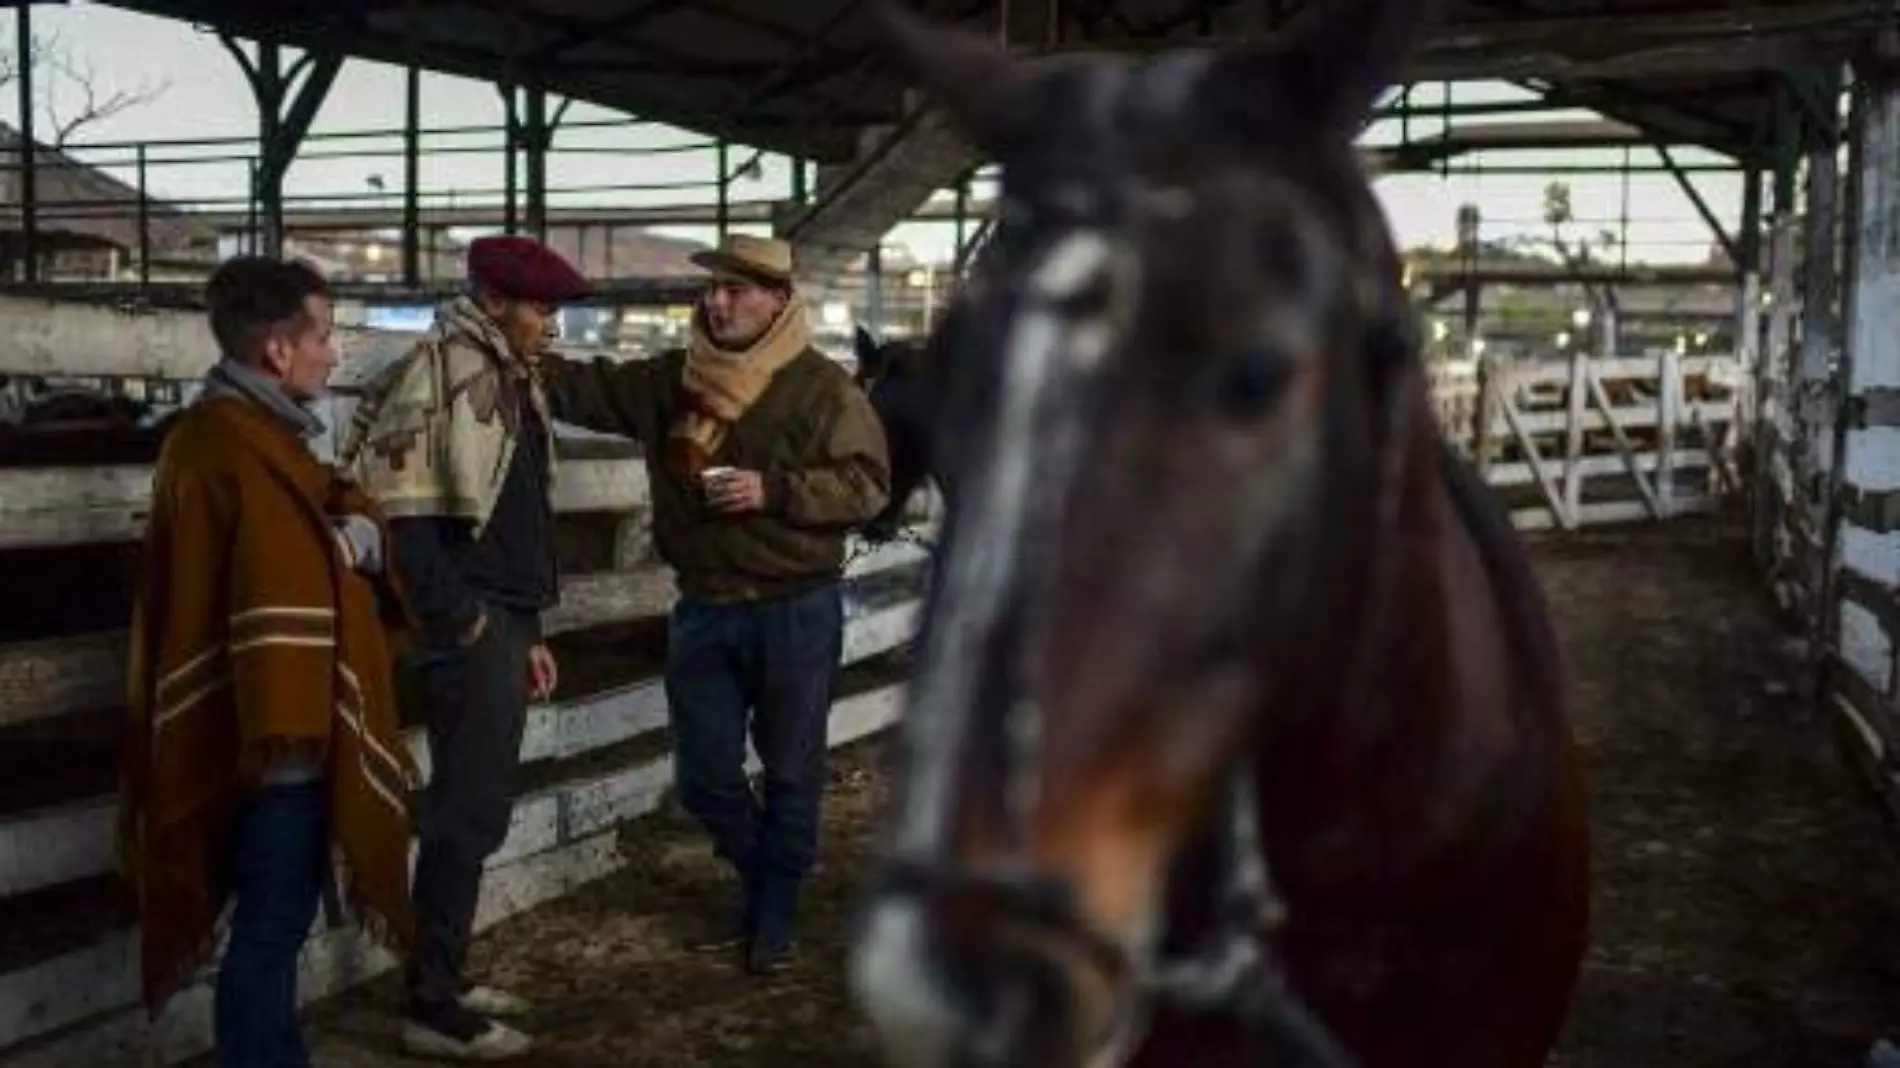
1253	380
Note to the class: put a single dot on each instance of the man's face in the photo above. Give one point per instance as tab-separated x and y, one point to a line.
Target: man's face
527	324
303	354
738	312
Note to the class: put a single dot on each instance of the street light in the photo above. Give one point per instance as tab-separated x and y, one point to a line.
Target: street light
1563	339
1580	318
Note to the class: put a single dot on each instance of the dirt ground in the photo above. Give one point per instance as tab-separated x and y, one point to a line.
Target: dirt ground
1748	895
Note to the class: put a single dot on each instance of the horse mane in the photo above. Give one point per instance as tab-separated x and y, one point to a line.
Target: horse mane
1516	591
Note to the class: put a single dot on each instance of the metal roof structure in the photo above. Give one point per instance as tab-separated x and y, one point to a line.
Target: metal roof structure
804	78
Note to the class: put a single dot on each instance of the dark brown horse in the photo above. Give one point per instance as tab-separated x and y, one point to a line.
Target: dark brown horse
1236	735
892	377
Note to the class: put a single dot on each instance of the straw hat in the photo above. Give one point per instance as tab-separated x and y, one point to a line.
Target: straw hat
759	260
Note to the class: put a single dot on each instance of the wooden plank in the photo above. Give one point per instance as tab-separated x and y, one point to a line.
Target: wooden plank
48	337
1535	460
95	987
90	505
1625	448
55	845
1602	465
58	676
1710	415
62	844
332	961
1608	513
1557	372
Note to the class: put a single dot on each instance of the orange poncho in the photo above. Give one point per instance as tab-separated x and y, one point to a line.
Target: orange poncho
250	635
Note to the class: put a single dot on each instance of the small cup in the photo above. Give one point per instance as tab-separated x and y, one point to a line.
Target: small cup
712	476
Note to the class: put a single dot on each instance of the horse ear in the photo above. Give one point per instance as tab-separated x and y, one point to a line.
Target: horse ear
1331	70
970	75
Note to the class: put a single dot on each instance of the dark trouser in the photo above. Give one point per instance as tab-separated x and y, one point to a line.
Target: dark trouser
477	702
777	660
282	853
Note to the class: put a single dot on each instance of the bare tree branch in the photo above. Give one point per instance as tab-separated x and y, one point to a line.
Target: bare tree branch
69	92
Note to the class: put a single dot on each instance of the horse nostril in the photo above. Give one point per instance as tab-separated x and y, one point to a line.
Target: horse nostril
1024	1004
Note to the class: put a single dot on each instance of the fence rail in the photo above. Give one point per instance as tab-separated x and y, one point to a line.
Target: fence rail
1584	440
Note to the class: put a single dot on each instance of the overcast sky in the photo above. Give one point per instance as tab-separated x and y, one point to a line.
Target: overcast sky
207	96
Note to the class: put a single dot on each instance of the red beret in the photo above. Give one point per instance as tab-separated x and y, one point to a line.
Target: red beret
525	269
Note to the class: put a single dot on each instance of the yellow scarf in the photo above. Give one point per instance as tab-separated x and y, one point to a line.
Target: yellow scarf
721	384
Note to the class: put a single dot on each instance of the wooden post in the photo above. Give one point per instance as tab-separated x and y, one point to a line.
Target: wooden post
1772	428
1863	537
1668	407
1578	408
1813	397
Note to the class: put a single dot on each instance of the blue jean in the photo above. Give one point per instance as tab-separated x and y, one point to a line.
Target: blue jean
764	668
281	857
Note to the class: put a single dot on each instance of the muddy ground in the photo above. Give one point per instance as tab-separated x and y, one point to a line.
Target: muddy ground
1748	895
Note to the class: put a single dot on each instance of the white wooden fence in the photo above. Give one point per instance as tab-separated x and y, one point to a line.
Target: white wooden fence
75	1004
1585	439
1827	515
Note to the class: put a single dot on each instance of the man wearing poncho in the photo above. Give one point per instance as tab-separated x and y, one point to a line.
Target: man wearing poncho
264	732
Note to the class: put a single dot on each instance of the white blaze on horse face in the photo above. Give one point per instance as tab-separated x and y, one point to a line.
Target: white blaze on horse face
1071	267
982	571
891	966
919	1024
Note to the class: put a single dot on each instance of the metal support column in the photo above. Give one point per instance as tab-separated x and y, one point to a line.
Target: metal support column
281	129
801	186
29	153
962	214
145	222
535	137
1730	247
412	180
723	209
874	289
267	84
511	141
1469	221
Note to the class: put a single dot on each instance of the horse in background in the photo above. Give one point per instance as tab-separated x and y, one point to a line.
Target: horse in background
1236	733
892	375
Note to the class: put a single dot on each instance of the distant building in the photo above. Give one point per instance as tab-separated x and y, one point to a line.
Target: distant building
87	222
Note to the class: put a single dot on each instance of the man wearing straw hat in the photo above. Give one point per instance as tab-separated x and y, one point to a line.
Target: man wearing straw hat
762	455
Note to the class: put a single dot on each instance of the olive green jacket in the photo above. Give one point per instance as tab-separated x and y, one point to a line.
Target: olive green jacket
812	434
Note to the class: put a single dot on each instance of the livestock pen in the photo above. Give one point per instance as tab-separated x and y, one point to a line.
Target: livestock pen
1564	451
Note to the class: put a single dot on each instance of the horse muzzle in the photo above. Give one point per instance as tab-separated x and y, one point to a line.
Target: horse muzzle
1000	994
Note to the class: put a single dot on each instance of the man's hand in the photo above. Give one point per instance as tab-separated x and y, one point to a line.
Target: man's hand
736	492
542	673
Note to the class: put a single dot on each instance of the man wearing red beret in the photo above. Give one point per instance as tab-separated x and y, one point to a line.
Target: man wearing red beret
455	442
761	455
